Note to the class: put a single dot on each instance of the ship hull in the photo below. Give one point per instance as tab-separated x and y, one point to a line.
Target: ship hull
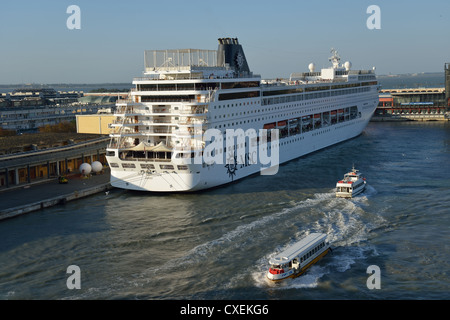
201	176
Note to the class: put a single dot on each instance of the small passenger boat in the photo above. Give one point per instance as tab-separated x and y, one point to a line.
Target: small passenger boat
352	184
296	259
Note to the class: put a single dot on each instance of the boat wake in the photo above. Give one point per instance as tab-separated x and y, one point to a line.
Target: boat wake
348	226
345	221
251	244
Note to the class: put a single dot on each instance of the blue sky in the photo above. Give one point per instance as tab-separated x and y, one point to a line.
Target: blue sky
279	37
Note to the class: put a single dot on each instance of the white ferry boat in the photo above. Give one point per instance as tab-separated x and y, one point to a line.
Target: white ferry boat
161	138
352	184
296	259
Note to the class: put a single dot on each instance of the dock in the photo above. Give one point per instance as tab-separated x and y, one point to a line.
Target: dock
413	104
411	117
32	197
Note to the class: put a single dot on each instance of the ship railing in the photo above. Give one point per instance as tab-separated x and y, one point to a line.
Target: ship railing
126	101
160	121
192	74
159	111
186	148
130	113
194	121
125	120
174	88
190	112
128	158
165	131
188	134
144	123
158	100
125	109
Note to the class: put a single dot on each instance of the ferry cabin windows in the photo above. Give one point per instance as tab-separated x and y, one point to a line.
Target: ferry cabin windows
343	189
311	252
304	257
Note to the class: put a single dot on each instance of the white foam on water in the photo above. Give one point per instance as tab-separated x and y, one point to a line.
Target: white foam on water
341	219
347	226
202	251
338	261
310	279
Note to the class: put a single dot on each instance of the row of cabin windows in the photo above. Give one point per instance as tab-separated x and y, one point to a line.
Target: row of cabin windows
249	84
327	117
316	95
199	86
236	105
230	115
265	102
307	255
318	88
149	166
273	109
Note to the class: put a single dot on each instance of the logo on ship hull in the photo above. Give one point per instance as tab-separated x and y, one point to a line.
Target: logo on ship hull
232	165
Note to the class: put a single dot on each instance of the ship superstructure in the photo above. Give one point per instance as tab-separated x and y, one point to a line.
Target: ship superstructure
173	133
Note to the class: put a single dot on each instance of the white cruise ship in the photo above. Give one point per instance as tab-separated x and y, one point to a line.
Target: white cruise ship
200	118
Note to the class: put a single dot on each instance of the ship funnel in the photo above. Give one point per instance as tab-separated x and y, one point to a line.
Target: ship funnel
230	52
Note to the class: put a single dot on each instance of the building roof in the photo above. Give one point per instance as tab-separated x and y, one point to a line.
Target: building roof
98	99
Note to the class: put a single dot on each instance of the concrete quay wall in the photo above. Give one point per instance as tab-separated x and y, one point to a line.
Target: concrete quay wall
45	203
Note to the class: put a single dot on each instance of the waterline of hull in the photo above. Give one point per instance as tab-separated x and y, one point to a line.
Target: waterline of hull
214	175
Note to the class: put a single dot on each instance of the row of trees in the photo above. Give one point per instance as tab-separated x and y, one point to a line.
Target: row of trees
7	133
64	126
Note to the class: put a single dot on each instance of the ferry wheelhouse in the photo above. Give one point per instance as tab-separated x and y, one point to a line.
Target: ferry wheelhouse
352	184
296	259
160	136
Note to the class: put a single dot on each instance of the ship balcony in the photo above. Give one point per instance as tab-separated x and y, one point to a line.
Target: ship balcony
175	113
143	124
127	103
196	111
179	88
157	132
130	123
187	131
184	151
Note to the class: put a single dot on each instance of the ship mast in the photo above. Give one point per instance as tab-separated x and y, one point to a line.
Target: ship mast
335	58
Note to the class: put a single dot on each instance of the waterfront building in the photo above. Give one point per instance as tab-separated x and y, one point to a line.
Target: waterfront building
415	103
412	104
30	109
33	117
35	165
